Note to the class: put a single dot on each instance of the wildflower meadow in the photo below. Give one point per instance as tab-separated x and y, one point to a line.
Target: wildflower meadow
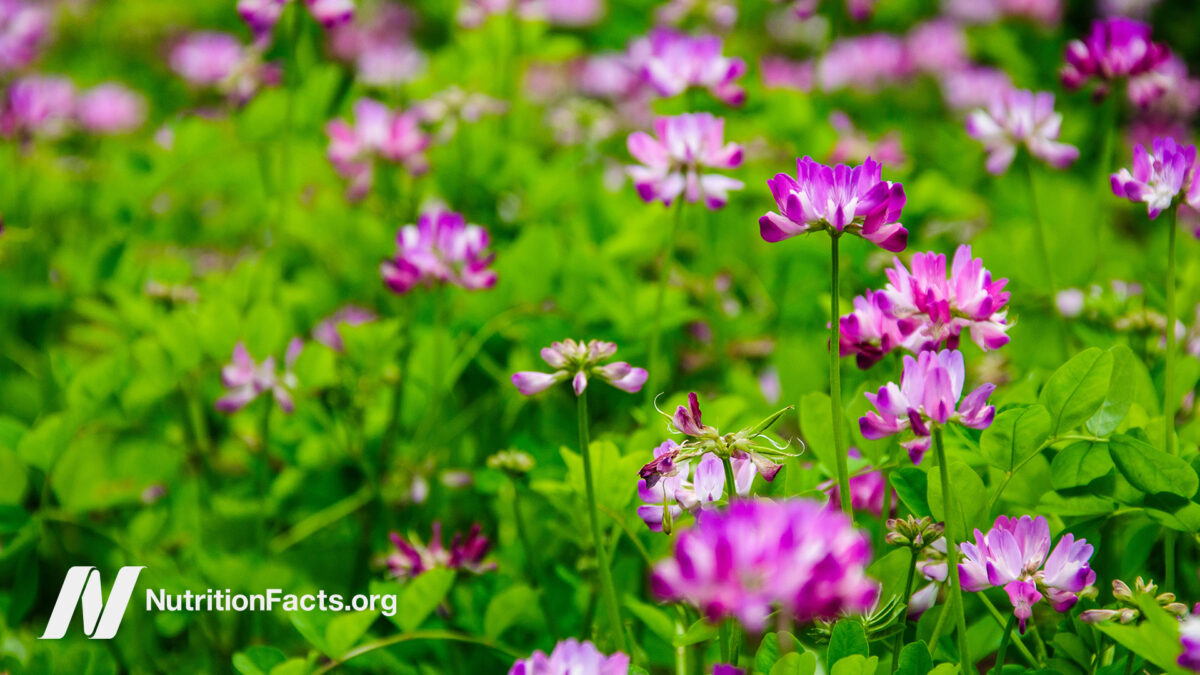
599	337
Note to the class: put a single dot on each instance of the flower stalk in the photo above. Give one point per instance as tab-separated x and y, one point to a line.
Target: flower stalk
607	591
835	378
953	538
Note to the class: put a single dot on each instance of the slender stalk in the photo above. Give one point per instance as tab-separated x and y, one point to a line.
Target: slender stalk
1044	248
898	644
886	512
835	379
953	538
1000	621
1169	384
735	643
681	652
656	321
723	640
1004	640
620	638
730	483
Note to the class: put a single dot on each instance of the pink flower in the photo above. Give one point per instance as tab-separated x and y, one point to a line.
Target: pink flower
1160	176
38	106
23	29
945	305
244	379
571	657
1013	555
1116	48
379	46
207	58
674	62
327	330
872	331
671	164
676	493
1189	636
780	72
843	199
110	109
756	555
331	13
854	146
974	87
411	558
929	392
378	134
937	46
867	489
1016	118
261	16
440	249
1045	12
866	63
580	362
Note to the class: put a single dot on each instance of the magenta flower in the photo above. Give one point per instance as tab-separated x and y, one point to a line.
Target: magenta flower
867	489
780	72
1160	176
23	28
674	493
110	109
571	657
673	62
331	13
929	392
872	331
1021	118
671	164
945	305
412	558
1116	48
840	199
327	330
756	555
378	133
865	63
440	249
220	61
1189	636
38	106
937	46
580	361
244	379
261	16
1012	554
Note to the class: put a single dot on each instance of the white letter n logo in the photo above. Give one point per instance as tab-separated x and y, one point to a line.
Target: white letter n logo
82	587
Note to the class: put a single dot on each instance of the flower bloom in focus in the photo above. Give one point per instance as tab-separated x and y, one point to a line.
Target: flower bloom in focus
756	555
571	657
1160	176
580	361
412	558
440	249
1013	555
670	496
244	379
1021	117
929	392
1116	48
326	331
672	62
110	109
671	163
22	33
945	305
840	199
377	133
38	106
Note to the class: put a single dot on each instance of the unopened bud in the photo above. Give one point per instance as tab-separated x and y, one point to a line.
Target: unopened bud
512	462
1121	591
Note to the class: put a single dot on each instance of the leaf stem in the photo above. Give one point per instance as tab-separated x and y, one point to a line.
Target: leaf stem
953	538
1004	640
1169	384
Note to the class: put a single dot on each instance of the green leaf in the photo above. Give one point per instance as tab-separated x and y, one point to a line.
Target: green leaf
1151	470
422	595
912	485
817	429
768	650
969	494
697	632
508	607
891	571
795	664
856	665
658	621
345	630
848	638
1079	464
258	660
1075	391
914	659
1015	435
1156	639
1130	383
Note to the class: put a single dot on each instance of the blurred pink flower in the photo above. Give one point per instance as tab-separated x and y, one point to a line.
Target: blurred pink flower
220	61
411	558
245	379
780	72
377	133
866	63
23	28
674	62
110	108
571	657
673	159
440	249
721	15
327	331
974	87
853	146
1021	118
38	105
379	45
937	46
331	13
1044	12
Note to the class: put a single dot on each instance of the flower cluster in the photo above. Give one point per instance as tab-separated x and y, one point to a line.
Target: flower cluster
571	657
929	392
1013	555
48	106
1116	48
412	558
211	59
1128	610
867	489
23	28
262	15
580	361
440	249
673	62
757	555
1160	176
378	133
672	164
245	379
839	199
669	497
1018	118
872	330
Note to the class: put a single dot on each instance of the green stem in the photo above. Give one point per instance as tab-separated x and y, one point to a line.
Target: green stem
664	275
953	538
886	512
835	379
1169	384
1004	640
723	639
730	483
1043	246
898	644
681	652
620	638
1001	621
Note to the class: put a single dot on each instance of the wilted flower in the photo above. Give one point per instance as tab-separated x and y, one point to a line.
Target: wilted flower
571	657
1160	176
412	558
22	33
327	330
667	498
580	362
671	164
673	62
1021	118
38	106
245	379
1116	48
110	109
1012	555
871	330
440	249
840	199
929	392
757	555
378	133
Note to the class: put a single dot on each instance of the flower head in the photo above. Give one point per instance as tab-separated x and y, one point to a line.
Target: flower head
672	164
412	558
378	133
1017	118
110	109
440	249
38	106
244	379
757	555
672	62
667	499
219	60
1189	637
929	392
571	657
1116	48
261	16
331	13
580	362
23	28
379	45
867	488
1160	176
1013	555
872	330
839	199
865	63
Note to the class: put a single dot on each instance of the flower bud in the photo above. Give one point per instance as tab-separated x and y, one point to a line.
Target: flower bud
512	462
